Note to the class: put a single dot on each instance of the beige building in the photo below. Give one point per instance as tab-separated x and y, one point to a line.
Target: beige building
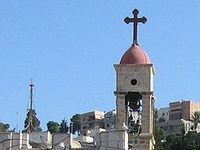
25	141
91	120
37	141
171	118
163	114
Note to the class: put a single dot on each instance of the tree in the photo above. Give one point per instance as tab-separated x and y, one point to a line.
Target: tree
4	127
53	127
63	126
158	133
32	123
190	141
76	123
195	118
159	138
173	142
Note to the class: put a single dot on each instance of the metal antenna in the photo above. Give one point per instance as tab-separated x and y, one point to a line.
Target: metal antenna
30	109
31	95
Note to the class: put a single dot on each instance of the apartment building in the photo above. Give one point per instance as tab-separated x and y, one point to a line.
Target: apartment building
170	118
91	120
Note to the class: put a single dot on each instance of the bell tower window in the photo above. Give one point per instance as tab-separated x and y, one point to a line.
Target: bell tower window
133	82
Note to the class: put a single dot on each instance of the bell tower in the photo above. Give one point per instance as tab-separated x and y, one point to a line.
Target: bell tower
134	93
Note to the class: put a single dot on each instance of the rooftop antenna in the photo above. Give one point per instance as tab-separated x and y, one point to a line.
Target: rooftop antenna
31	95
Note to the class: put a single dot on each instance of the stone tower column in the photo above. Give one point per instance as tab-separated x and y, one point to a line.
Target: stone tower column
147	113
121	116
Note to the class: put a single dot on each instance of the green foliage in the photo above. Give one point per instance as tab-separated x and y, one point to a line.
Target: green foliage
32	123
4	127
63	126
190	141
159	138
158	133
195	118
53	127
76	123
174	142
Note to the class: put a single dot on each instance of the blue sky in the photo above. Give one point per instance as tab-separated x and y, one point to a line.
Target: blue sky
69	47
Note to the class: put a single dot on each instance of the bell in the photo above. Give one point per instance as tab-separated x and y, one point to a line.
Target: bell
135	105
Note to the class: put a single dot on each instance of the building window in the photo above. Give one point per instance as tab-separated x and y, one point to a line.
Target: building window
133	81
171	128
176	116
161	119
84	119
91	125
90	118
107	118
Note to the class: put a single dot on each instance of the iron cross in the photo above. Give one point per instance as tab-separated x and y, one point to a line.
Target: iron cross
135	21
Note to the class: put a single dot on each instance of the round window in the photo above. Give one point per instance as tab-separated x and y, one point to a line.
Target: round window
133	81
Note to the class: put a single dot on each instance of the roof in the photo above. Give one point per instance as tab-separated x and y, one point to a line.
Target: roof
135	55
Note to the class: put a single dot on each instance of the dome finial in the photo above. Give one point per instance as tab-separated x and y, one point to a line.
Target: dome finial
135	21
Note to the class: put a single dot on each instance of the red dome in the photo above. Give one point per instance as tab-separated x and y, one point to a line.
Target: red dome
135	55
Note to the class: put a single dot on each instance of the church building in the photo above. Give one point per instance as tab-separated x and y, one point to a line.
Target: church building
134	98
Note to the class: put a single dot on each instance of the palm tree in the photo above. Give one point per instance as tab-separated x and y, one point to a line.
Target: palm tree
63	126
195	118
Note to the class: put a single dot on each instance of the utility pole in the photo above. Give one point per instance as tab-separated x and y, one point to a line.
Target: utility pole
71	136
